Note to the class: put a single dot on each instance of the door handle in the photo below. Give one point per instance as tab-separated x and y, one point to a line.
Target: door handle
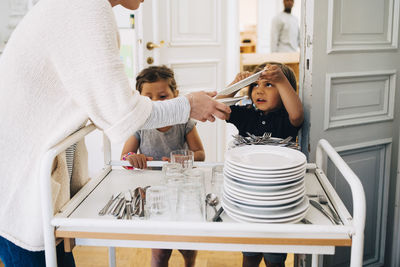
151	45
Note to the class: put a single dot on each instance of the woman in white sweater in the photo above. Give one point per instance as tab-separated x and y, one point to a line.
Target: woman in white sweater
60	67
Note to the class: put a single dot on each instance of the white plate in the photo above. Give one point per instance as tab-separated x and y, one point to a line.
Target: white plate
233	167
268	214
265	181
244	173
262	208
270	197
231	100
249	201
241	218
263	190
264	157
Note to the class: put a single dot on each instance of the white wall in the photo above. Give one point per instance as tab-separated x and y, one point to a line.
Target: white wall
260	13
247	13
4	14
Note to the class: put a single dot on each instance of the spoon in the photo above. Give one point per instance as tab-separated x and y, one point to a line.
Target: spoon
212	200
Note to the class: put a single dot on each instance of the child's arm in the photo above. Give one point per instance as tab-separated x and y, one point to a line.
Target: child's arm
136	160
290	100
240	76
194	142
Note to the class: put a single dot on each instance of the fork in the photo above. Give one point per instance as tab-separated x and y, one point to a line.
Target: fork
324	201
104	210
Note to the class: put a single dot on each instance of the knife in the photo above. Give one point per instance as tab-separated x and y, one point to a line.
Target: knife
128	205
240	84
321	209
217	215
104	210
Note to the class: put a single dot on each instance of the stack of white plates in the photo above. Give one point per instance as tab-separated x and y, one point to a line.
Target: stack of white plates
265	184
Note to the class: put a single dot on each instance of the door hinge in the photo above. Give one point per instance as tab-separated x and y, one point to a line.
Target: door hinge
308	41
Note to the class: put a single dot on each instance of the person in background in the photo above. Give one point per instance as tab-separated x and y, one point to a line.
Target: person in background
285	33
61	67
158	83
275	108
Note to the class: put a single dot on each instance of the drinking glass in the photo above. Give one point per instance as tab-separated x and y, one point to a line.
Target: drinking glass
217	180
174	185
171	169
184	157
191	204
157	204
196	176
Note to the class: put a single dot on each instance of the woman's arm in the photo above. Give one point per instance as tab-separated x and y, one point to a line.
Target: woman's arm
194	142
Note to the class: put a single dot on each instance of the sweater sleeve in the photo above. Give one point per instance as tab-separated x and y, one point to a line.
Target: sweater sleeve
84	51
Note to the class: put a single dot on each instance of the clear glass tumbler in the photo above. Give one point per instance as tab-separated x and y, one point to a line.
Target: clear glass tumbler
184	157
191	204
157	203
174	185
196	176
217	180
171	169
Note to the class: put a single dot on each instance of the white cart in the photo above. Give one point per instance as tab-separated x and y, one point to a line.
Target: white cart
79	219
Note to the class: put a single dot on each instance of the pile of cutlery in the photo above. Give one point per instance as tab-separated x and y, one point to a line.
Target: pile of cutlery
126	204
265	139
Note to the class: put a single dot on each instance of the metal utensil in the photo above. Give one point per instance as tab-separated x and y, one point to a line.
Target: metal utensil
104	210
217	216
324	201
305	221
122	212
212	200
318	206
142	194
128	205
116	210
239	85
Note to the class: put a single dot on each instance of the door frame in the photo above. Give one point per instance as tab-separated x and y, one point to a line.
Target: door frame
305	70
395	257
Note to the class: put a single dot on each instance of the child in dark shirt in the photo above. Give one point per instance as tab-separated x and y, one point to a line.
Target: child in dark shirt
275	108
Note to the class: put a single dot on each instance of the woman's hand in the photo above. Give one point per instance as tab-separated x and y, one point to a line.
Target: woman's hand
203	107
273	74
138	160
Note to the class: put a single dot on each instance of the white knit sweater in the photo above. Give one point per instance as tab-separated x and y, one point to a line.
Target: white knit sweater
60	67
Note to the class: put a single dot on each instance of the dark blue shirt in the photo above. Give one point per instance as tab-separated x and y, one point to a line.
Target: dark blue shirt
248	119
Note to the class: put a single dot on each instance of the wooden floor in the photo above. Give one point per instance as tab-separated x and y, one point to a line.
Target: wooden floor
132	257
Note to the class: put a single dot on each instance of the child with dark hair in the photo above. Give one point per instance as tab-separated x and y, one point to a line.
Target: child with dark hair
158	83
275	108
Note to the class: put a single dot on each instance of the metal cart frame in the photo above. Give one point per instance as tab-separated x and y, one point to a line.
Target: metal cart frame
295	238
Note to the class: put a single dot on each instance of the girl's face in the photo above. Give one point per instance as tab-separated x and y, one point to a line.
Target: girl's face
129	4
159	90
265	96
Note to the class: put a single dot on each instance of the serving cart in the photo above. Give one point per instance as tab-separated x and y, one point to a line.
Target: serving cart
79	221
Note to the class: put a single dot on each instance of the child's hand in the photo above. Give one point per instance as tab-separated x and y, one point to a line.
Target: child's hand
139	160
166	159
273	74
240	76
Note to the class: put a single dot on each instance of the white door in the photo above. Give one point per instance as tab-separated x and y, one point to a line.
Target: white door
351	101
195	36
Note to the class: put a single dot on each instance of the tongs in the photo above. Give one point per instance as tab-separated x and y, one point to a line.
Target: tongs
240	84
